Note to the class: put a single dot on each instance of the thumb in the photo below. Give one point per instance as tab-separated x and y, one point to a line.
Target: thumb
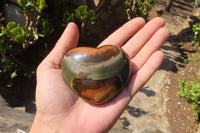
67	41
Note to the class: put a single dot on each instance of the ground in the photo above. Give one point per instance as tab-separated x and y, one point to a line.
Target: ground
178	110
156	107
179	113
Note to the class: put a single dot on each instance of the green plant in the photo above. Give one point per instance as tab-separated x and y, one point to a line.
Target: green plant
196	32
141	8
82	16
196	4
36	27
191	91
15	39
187	60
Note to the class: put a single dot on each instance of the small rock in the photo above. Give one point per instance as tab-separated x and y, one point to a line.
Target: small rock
13	13
196	12
198	129
150	129
117	130
20	108
20	131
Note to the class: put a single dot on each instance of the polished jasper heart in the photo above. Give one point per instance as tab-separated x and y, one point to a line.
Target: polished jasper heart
96	74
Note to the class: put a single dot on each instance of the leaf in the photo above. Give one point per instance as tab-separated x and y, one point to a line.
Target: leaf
18	34
16	31
2	31
29	74
35	35
68	17
30	5
41	34
9	84
13	75
127	5
42	4
19	39
23	3
11	25
47	27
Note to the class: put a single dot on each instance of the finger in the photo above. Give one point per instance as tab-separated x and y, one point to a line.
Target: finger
133	46
139	79
150	47
120	36
67	41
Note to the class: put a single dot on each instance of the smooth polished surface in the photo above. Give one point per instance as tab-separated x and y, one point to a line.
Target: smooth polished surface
96	74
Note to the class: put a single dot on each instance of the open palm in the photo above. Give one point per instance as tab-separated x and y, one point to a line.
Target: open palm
60	110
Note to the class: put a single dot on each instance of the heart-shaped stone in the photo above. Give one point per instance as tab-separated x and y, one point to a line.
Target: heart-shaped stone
96	74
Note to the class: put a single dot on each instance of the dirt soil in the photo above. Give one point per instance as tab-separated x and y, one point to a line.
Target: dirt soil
179	113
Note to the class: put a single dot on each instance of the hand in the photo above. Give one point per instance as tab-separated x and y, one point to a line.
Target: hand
60	110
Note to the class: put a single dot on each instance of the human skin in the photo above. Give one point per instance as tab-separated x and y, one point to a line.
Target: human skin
59	110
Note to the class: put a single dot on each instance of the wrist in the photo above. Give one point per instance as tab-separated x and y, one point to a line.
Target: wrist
40	125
